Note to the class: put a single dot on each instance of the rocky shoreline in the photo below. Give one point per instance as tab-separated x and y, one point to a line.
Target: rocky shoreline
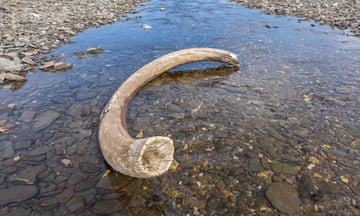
342	14
29	28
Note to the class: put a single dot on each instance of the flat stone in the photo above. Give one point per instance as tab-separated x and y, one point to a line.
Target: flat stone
76	178
9	152
65	195
85	94
285	168
107	207
38	151
284	198
75	110
17	193
23	144
4	144
75	204
62	66
19	211
45	120
255	165
28	175
27	116
9	65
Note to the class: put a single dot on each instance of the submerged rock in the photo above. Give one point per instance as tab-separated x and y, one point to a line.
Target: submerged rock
17	193
45	120
284	197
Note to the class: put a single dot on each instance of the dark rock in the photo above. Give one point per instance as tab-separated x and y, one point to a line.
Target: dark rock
255	165
85	94
284	198
88	167
75	110
65	195
9	152
22	144
76	178
84	184
45	120
38	151
27	116
75	204
17	193
19	211
285	168
107	206
4	144
28	175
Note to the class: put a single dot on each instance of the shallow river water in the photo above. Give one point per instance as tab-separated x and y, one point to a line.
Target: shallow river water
279	134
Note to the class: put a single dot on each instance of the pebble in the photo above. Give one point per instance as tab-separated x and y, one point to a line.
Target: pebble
284	197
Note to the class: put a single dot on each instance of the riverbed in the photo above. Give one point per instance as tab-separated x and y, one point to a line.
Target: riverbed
286	120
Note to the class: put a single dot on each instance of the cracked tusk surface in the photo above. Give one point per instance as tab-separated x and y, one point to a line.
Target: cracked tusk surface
147	157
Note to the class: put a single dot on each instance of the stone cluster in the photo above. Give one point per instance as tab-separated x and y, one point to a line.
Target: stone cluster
343	14
29	28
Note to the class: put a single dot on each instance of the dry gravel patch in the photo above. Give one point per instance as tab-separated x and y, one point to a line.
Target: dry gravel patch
343	14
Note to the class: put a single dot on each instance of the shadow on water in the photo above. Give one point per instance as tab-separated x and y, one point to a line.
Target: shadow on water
288	118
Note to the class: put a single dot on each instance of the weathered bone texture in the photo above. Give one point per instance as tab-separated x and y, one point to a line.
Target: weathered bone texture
148	157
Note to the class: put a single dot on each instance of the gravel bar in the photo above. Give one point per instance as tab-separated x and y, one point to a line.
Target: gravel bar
28	28
342	14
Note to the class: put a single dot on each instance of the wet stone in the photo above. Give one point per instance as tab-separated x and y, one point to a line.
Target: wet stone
28	175
284	197
84	185
329	187
88	167
255	165
45	120
75	204
76	178
65	195
285	168
23	144
9	152
27	116
19	211
5	144
17	193
84	94
107	207
49	202
38	151
75	110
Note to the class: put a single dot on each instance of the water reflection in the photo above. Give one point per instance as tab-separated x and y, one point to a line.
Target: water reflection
290	115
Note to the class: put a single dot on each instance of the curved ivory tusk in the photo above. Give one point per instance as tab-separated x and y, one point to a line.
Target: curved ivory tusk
148	157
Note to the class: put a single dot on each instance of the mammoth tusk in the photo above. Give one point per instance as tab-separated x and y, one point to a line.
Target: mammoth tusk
147	157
